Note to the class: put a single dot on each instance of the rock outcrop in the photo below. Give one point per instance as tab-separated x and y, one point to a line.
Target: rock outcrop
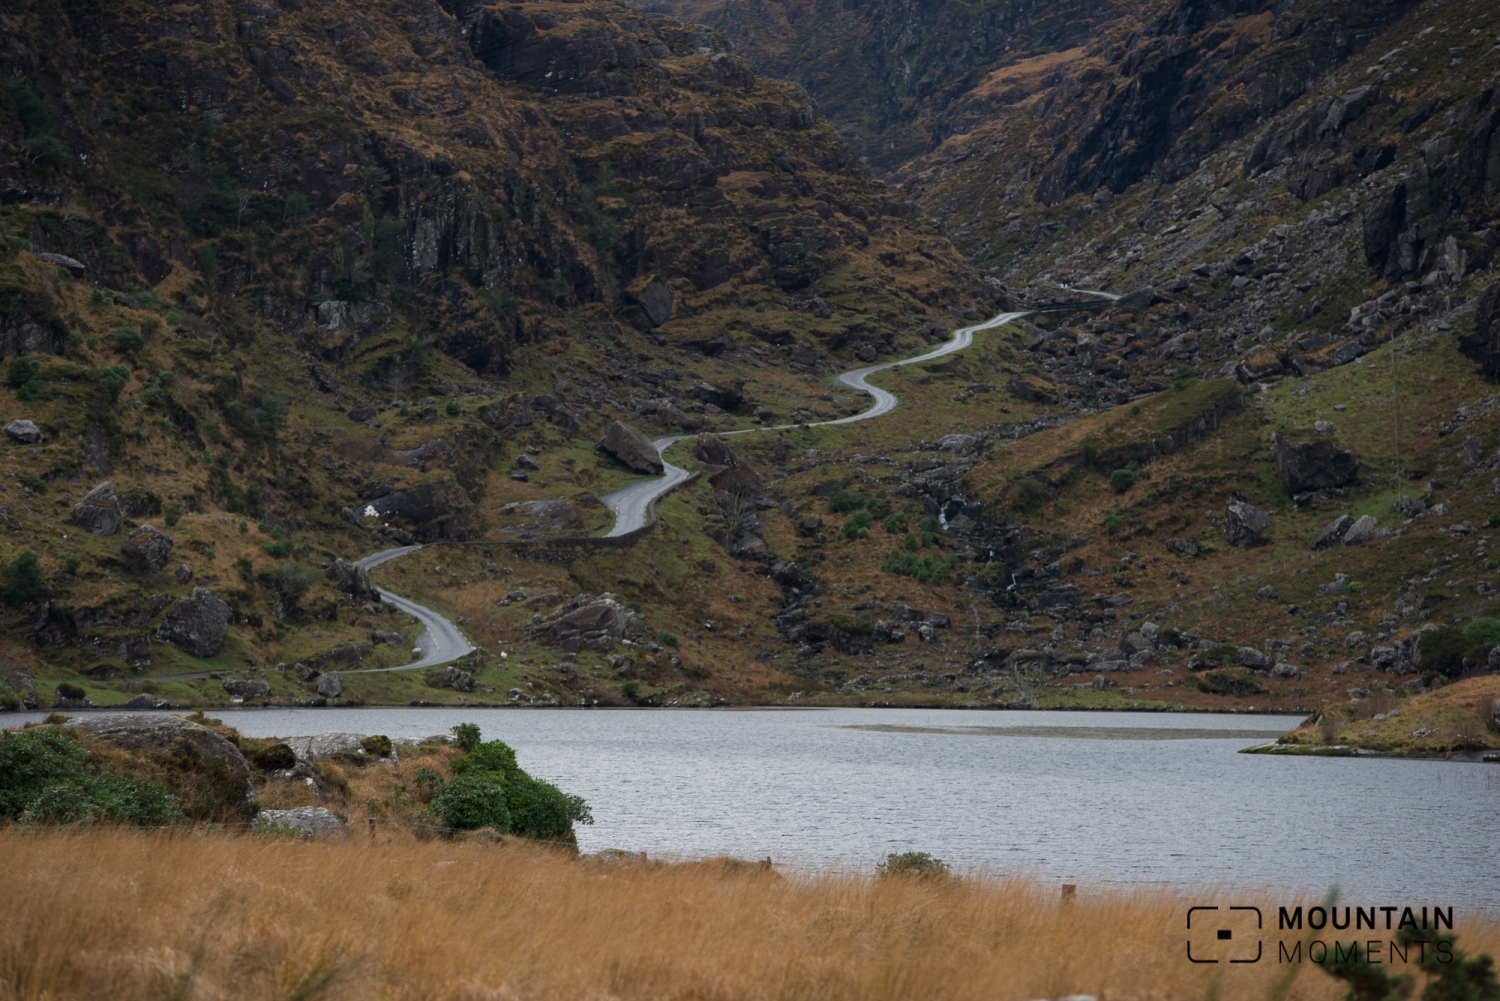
330	685
99	512
196	624
24	432
353	581
452	677
146	550
245	689
170	734
586	623
306	821
1309	466
633	448
1244	523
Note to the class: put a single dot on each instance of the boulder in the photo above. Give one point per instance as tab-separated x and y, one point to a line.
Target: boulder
723	397
1361	531
633	448
330	685
306	821
1183	547
1409	506
183	573
325	745
24	432
1308	466
1483	345
146	550
353	581
450	677
585	623
655	300
1285	670
1244	523
155	732
148	702
196	624
247	688
1248	656
1333	533
24	688
99	511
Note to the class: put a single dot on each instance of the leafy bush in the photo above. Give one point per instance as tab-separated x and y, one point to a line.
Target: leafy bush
1453	975
173	515
112	379
666	638
842	501
926	569
1483	631
34	483
858	525
1494	520
1443	651
466	737
24	584
68	691
631	690
275	758
452	409
48	778
472	801
1236	681
128	339
280	550
1121	480
21	370
1113	523
1028	494
894	524
377	744
918	864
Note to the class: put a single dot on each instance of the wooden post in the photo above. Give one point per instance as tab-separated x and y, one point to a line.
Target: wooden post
1069	892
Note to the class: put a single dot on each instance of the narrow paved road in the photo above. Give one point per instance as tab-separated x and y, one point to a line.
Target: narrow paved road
632	505
440	640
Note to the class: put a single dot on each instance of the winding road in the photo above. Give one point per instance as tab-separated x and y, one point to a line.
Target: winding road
440	641
632	505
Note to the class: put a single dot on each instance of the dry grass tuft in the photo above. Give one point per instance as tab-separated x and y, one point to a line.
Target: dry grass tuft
122	915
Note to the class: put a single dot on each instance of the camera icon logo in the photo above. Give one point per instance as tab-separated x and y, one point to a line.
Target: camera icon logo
1224	934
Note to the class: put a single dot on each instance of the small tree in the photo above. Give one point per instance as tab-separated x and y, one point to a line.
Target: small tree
24	584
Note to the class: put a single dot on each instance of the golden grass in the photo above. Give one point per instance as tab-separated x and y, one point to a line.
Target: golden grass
120	914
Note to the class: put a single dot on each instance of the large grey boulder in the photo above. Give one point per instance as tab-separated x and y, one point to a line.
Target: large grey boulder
632	447
352	580
157	732
148	702
1244	523
655	300
146	550
99	511
247	688
330	685
1362	530
585	623
196	624
317	747
306	821
455	678
1334	532
24	688
24	432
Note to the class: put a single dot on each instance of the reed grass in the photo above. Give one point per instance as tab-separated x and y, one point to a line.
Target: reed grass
122	914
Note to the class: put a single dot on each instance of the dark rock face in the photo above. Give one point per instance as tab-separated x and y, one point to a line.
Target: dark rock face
450	677
25	432
330	685
1244	523
146	550
633	448
196	624
1333	533
1314	465
1483	344
169	733
353	581
586	623
99	511
723	397
23	687
655	300
429	512
247	688
307	821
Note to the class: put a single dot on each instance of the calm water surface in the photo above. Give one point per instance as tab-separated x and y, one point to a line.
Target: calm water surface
1073	796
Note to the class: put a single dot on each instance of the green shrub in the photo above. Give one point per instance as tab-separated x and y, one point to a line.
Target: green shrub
452	409
1028	494
128	339
1121	480
842	501
173	515
631	690
279	550
472	801
926	569
34	483
1484	632
48	778
24	584
275	758
894	524
68	691
1443	651
918	864
1453	976
73	563
1113	523
112	379
858	525
666	638
1236	681
1494	521
466	737
21	370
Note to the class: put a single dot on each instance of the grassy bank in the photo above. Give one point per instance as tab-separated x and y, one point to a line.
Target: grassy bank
126	915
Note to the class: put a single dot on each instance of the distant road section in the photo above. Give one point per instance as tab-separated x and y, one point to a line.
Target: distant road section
440	641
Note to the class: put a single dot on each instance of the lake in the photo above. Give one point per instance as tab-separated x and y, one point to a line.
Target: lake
1075	797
